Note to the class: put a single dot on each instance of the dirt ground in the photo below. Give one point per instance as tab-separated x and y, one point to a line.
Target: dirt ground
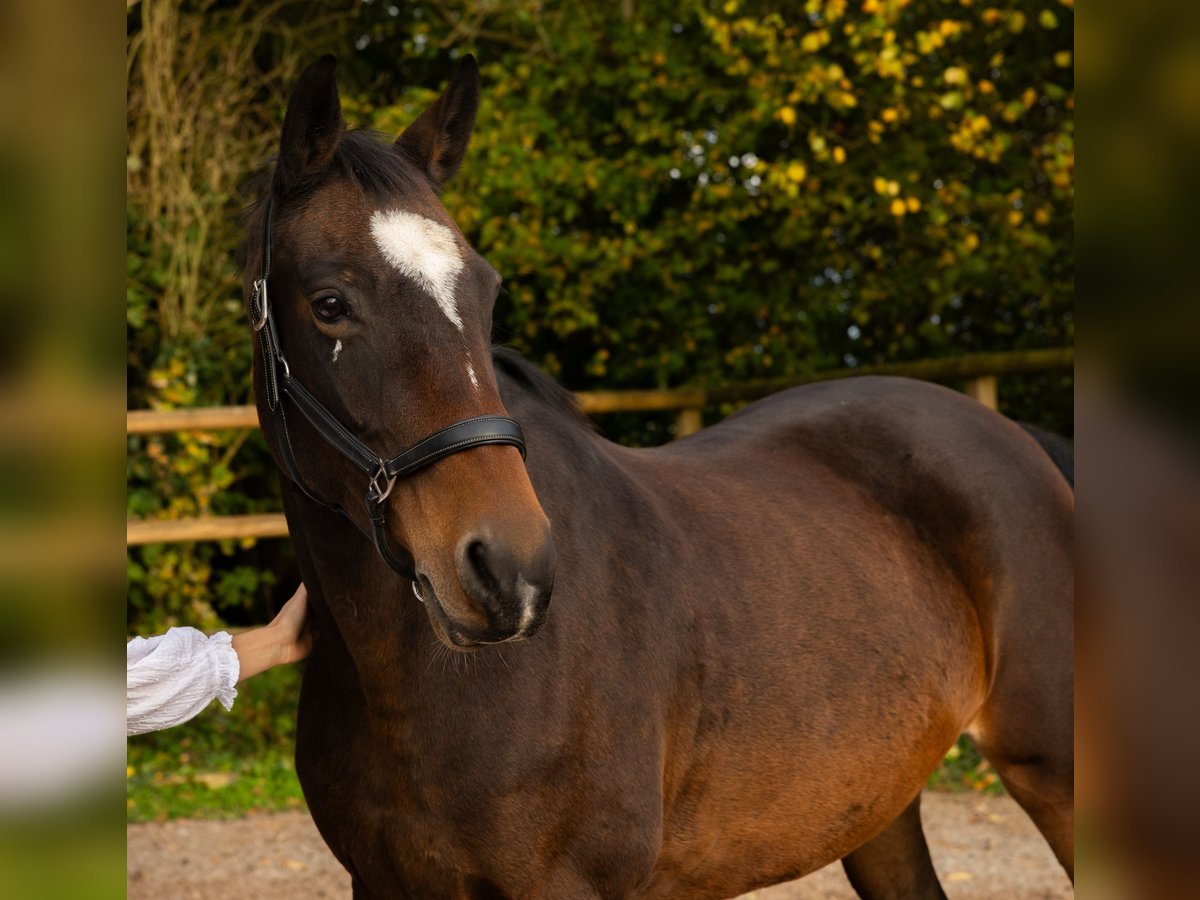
984	848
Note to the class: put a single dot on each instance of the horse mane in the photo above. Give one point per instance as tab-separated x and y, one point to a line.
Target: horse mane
540	385
1061	450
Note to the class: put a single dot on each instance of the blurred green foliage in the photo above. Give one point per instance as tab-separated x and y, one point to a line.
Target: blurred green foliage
676	193
731	192
964	769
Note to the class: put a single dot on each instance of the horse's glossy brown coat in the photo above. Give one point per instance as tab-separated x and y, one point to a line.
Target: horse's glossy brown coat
762	639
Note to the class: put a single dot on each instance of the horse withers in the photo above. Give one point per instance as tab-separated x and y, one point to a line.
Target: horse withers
686	671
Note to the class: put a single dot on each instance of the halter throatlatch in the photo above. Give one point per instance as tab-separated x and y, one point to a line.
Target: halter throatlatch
381	473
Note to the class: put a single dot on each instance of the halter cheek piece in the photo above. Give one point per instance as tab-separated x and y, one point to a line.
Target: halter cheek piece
281	384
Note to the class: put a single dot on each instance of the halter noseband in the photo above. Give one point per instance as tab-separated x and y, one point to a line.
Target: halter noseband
381	473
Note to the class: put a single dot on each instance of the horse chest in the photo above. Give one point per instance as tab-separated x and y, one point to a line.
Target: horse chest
439	800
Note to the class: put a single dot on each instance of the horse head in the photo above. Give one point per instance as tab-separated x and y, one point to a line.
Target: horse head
384	311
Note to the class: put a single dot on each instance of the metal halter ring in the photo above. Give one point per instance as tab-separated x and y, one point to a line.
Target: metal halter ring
260	294
377	482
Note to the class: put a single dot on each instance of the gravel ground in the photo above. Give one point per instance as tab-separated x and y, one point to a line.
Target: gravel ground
984	848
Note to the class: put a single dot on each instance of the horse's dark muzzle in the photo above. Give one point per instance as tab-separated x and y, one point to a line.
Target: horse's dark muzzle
511	589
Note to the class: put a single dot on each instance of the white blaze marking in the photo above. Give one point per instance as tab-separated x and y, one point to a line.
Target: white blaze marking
337	348
471	371
424	251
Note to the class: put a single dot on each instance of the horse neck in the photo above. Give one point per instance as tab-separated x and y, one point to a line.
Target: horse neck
371	627
379	635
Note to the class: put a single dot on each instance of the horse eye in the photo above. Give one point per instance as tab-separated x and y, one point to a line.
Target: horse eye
329	308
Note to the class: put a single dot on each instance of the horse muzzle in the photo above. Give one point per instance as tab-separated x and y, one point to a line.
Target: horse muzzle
502	594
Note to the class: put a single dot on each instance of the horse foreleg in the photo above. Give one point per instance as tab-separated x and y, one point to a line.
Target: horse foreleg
895	864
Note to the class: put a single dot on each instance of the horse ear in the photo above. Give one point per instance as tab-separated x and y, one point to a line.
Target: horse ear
312	127
437	140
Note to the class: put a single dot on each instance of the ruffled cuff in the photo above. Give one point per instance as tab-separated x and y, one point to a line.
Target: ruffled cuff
229	667
171	677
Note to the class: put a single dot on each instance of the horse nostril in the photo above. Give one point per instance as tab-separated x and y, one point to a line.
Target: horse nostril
478	561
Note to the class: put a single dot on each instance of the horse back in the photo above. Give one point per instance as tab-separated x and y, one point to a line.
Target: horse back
977	489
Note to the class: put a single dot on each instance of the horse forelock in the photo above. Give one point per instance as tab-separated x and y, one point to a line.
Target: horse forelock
367	159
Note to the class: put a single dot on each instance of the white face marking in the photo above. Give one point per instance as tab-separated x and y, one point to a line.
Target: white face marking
337	348
424	251
527	593
471	371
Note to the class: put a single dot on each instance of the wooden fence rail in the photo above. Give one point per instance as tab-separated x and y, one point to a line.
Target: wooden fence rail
977	371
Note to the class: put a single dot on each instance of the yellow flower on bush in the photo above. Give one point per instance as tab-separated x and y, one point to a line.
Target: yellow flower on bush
841	99
839	155
889	115
913	204
814	41
796	171
955	75
899	207
1062	59
787	115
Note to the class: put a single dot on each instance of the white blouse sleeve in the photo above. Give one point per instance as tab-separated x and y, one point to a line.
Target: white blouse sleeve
171	677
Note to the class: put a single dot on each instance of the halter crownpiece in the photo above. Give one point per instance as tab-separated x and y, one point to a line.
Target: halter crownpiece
382	473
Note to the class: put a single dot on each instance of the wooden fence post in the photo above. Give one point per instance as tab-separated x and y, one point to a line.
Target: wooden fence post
687	421
982	389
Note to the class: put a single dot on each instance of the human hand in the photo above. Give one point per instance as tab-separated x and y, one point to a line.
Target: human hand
295	640
284	640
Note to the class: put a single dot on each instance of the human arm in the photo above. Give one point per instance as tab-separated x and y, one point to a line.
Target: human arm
172	676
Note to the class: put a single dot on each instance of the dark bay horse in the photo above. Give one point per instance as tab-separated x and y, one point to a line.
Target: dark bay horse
763	637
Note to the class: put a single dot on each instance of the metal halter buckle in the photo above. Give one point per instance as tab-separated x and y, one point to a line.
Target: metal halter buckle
377	483
260	300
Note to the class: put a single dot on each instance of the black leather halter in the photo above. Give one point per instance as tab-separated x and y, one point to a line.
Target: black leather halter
280	384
